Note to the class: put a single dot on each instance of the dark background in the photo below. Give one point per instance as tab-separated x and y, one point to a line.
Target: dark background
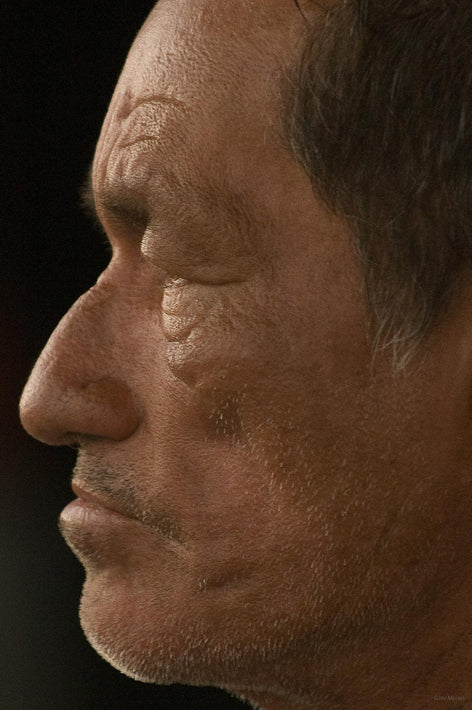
62	60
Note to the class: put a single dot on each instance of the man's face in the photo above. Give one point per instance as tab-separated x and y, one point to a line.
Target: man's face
283	493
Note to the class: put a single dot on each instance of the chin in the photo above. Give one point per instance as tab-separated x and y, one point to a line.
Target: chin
167	636
135	634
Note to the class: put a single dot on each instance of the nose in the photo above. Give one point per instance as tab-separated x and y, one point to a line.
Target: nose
78	386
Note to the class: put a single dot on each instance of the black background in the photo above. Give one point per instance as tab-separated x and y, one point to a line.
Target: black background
63	59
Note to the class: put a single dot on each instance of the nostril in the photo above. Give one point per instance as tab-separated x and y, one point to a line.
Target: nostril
61	415
106	408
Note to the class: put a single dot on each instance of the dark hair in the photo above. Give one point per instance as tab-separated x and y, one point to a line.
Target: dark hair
380	115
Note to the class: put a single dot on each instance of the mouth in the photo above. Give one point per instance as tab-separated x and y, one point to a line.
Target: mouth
94	500
91	518
92	515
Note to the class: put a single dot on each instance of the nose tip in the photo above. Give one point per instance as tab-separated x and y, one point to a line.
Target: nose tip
58	416
79	385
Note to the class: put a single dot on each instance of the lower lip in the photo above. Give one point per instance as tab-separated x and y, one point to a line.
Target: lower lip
84	513
97	534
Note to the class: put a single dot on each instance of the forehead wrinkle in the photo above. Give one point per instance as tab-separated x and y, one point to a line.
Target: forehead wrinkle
148	119
137	122
129	104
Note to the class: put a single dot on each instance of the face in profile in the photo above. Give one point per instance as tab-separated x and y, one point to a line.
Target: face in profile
260	501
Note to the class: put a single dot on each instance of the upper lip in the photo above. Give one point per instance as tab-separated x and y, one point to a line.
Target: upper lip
82	492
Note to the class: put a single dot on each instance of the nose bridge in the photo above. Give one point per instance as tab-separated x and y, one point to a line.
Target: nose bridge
79	386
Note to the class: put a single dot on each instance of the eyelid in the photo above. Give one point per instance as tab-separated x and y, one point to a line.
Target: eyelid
174	282
171	252
179	277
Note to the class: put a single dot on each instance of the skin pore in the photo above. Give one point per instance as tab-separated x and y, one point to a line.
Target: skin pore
298	518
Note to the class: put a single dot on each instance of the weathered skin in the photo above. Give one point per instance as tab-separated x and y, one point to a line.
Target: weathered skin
307	510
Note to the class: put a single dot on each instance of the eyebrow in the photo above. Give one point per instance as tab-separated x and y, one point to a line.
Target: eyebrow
87	198
123	210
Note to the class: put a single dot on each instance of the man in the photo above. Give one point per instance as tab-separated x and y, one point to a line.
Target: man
270	384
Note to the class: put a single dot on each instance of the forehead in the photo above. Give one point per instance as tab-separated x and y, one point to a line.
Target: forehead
199	95
225	50
214	38
212	55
